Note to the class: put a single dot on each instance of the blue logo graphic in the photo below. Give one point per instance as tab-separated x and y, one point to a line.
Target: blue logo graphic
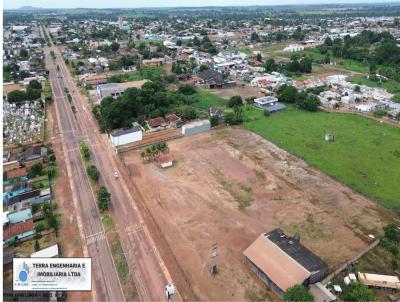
23	276
23	273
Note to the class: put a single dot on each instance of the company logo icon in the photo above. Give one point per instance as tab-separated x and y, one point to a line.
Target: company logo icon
23	273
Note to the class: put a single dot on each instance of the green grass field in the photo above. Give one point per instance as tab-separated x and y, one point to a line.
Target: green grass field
207	99
365	154
245	50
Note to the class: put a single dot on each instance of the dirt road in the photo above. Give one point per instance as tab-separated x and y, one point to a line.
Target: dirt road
145	263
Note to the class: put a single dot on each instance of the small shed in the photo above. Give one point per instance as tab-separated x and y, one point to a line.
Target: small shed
165	160
329	137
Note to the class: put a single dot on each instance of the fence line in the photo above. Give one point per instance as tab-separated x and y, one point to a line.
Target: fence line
347	263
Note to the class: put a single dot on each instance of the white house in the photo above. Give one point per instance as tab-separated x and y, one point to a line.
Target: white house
293	48
127	136
265	100
365	107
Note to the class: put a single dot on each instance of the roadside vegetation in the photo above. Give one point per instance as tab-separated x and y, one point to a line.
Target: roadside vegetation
154	151
84	151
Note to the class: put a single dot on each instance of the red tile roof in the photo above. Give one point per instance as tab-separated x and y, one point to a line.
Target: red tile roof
18	228
16	173
155	122
165	158
172	118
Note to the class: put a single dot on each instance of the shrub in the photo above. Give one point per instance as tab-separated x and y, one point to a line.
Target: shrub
16	96
214	120
186	89
235	101
37	245
298	293
84	151
103	198
93	172
380	113
36	169
357	291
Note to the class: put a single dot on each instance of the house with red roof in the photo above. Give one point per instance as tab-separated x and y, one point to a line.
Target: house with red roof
19	231
155	123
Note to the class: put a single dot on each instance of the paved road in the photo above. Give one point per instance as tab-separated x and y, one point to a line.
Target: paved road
148	269
105	285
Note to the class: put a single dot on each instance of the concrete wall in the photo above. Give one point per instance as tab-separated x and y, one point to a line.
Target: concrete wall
126	138
196	127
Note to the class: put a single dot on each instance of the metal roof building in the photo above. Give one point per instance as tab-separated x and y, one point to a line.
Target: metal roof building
282	262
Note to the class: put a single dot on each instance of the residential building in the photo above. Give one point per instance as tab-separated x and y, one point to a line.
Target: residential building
155	62
156	123
214	79
19	231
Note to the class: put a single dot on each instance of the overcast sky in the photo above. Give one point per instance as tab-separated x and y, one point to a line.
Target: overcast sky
11	4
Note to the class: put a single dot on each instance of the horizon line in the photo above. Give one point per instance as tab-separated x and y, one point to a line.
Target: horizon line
356	2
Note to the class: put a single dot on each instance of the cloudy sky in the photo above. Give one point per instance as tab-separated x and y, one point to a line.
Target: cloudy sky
11	4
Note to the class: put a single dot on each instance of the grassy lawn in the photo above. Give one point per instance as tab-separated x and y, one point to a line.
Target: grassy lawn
245	50
299	77
347	64
391	86
207	99
120	261
47	89
364	156
44	183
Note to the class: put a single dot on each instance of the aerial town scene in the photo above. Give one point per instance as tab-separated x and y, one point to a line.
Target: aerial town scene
201	151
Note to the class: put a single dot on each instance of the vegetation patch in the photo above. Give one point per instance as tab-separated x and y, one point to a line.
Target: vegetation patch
362	147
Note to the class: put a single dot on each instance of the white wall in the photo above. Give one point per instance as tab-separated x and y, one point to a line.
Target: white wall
126	138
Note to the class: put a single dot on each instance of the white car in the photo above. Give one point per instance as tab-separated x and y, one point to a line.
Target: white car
115	174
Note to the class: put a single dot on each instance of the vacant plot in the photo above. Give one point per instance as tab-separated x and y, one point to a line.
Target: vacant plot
206	100
228	186
244	91
365	154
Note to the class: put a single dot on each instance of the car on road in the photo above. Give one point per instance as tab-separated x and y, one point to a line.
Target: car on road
115	174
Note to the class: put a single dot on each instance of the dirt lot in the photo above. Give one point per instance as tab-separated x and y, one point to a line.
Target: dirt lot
244	91
228	186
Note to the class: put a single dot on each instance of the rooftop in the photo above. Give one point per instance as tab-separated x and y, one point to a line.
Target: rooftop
155	122
51	251
282	269
125	131
18	228
16	173
297	251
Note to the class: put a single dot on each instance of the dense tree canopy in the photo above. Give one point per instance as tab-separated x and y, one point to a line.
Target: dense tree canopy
370	47
152	100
